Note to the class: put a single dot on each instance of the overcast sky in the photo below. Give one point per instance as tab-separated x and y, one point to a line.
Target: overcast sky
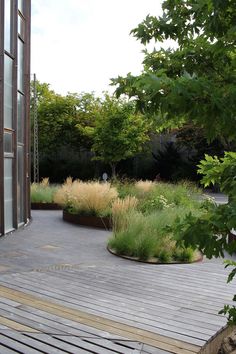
78	45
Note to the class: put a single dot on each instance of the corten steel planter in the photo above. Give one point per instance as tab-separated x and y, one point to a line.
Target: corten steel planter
154	261
45	206
91	221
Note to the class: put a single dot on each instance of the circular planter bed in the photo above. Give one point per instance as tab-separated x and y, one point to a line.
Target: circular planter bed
91	221
45	206
198	258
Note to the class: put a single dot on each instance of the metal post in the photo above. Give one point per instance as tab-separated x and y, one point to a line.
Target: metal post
36	140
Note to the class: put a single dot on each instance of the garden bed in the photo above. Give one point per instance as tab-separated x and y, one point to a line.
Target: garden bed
142	216
45	206
91	221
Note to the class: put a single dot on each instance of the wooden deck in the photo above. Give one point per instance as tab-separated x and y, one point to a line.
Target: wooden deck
105	304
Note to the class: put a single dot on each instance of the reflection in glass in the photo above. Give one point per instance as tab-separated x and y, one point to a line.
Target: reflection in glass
20	184
8	199
8	65
20	118
21	26
7	26
20	74
21	6
8	143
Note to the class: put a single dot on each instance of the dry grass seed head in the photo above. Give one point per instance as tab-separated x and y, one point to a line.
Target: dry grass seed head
92	195
62	195
45	182
121	209
123	205
144	186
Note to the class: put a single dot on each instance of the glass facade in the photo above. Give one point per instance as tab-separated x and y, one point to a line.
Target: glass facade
14	113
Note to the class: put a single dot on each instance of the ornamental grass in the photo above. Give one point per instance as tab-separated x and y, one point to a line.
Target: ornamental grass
87	198
144	186
121	209
43	192
146	237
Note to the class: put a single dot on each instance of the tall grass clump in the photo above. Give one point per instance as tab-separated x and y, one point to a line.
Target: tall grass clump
147	237
43	192
87	198
62	195
121	209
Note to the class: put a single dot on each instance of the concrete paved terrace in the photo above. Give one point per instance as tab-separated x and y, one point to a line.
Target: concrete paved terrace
62	292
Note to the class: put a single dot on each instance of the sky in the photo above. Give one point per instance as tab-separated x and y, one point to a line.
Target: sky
78	45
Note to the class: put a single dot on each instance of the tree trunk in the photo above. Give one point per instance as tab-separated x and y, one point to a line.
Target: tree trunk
113	170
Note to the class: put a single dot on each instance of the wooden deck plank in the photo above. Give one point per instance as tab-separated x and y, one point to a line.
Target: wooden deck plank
147	337
59	345
175	335
17	346
11	323
101	347
117	348
28	322
5	350
160	282
49	323
73	293
152	306
201	299
164	333
35	343
126	314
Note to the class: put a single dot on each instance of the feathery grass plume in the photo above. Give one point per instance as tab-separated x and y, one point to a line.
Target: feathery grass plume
93	198
68	181
45	182
144	186
120	212
62	195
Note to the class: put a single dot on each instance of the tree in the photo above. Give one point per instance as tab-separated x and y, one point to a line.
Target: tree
56	120
118	131
195	83
196	80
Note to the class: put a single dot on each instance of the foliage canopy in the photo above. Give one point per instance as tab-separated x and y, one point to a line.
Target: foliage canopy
119	132
196	79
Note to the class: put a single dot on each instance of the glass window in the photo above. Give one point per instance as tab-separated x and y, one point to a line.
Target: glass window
20	184
8	199
20	118
8	65
21	6
7	26
20	73
21	26
8	143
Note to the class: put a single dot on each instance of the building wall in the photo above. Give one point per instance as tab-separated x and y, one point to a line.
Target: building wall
14	113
